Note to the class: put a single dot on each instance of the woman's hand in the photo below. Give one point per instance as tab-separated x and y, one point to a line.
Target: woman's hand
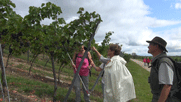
94	49
90	66
97	52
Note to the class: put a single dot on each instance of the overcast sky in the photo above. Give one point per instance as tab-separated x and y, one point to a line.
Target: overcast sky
132	21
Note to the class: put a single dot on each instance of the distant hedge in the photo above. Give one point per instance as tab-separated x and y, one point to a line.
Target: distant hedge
127	57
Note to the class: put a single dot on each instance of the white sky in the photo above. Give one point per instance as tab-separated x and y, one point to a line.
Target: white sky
132	21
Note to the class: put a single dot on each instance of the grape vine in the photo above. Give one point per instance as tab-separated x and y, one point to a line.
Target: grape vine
24	34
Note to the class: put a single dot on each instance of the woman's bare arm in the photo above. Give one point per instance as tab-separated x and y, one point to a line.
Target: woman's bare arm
97	68
90	58
97	52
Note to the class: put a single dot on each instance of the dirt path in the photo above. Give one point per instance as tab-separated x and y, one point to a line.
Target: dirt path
141	64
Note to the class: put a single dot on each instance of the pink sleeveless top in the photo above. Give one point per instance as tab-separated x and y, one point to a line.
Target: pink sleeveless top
84	71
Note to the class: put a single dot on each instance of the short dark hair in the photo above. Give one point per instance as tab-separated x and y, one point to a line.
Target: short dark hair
116	48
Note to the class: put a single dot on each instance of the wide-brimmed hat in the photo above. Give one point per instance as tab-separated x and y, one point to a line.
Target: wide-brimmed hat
159	41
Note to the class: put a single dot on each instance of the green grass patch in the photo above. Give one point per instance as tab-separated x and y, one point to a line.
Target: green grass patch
142	87
140	77
29	86
20	66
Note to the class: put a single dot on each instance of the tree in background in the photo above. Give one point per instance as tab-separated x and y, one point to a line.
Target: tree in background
134	55
105	44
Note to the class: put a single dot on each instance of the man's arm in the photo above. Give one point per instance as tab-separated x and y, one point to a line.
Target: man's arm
164	93
165	78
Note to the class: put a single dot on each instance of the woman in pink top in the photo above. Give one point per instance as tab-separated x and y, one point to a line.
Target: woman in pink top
148	61
84	73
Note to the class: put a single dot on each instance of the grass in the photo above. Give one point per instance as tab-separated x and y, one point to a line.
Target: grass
140	77
27	86
20	66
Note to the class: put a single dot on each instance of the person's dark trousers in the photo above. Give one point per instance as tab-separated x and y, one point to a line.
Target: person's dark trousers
102	88
169	99
77	87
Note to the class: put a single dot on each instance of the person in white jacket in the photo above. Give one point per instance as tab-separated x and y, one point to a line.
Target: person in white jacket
118	81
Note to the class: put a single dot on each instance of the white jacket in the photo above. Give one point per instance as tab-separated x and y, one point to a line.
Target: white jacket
119	85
